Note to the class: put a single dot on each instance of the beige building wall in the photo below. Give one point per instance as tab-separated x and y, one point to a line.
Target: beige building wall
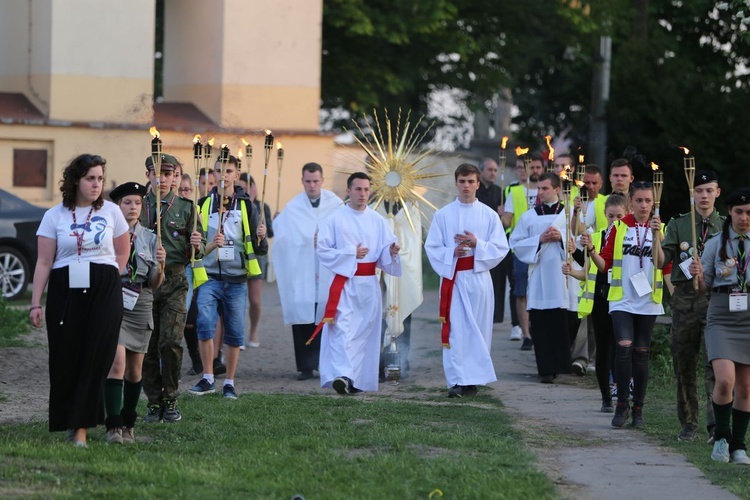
26	49
80	60
246	64
126	152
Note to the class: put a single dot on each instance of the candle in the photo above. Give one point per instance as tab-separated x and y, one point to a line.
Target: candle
551	157
279	165
503	144
248	154
688	163
522	153
267	148
156	157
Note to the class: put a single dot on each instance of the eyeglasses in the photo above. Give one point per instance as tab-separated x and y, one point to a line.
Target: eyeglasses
185	190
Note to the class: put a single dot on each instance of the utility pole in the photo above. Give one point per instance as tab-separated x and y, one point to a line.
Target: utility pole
599	100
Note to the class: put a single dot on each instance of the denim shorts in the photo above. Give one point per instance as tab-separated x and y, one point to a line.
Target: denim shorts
521	273
231	299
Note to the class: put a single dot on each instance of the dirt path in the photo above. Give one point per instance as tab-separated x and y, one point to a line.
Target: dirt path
599	462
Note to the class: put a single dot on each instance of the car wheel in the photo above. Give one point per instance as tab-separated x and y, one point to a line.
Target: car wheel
14	273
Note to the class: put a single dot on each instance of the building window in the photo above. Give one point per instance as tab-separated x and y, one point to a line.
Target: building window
30	168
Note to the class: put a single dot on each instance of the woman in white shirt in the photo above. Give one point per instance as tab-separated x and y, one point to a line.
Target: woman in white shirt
83	247
631	247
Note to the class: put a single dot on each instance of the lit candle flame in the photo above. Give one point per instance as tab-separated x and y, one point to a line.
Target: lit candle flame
504	142
654	166
521	151
211	141
278	144
580	184
548	138
154	133
244	142
685	150
196	139
239	153
580	159
224	146
268	132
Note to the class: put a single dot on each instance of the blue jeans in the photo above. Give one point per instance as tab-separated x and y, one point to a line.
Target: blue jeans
189	276
229	298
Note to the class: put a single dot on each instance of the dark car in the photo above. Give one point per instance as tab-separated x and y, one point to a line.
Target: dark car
19	221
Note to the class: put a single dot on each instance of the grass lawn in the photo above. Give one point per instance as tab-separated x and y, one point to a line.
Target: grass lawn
275	446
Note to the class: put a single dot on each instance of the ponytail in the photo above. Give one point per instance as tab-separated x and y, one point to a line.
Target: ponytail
725	238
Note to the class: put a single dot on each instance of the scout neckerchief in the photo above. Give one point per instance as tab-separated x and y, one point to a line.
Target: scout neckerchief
132	267
163	212
742	259
79	236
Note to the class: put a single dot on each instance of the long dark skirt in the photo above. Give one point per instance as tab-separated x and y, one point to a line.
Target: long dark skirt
82	330
549	331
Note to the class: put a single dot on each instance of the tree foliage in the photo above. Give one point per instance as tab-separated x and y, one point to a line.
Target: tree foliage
678	72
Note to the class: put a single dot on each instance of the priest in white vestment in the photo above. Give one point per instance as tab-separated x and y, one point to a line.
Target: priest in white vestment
403	294
302	282
352	242
539	240
465	241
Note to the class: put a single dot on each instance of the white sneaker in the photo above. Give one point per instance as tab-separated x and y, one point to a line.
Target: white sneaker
740	457
516	333
721	451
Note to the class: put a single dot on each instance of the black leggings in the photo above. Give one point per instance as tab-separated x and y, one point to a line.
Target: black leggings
604	344
632	360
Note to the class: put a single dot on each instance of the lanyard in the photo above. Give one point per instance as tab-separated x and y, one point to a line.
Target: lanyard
641	246
79	236
132	268
163	213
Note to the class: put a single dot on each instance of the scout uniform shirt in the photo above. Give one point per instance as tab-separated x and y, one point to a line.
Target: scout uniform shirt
176	226
678	240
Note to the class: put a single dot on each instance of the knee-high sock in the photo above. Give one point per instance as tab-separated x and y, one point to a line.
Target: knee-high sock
113	396
740	419
723	414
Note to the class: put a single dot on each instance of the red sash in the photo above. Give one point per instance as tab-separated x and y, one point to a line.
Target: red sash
446	296
334	295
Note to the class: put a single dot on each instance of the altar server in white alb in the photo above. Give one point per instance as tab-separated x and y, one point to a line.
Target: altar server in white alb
302	281
465	241
539	241
352	242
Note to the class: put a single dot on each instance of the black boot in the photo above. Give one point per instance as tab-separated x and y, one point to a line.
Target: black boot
638	420
621	414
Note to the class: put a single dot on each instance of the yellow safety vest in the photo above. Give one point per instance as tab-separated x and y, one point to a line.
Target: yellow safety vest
601	219
615	287
251	262
588	288
518	195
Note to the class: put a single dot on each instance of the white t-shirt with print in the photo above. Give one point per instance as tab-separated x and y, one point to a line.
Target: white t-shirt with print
106	224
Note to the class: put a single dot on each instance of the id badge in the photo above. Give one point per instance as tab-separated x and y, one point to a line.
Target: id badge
609	276
685	266
129	298
226	253
641	284
737	302
79	275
